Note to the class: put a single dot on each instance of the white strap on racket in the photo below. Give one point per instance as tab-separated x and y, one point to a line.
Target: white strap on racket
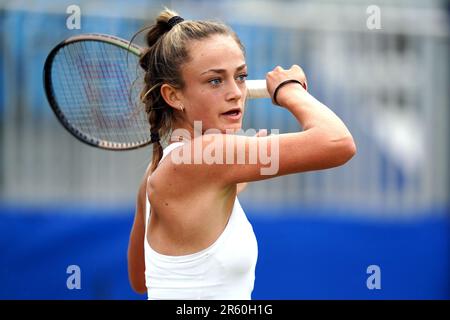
257	89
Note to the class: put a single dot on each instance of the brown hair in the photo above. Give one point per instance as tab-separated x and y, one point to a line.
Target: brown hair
162	61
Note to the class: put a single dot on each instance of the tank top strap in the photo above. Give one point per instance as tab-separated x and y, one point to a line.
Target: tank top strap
170	148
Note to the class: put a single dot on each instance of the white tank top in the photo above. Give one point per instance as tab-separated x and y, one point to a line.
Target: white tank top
225	270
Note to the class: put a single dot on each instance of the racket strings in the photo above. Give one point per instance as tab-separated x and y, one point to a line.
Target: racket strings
98	92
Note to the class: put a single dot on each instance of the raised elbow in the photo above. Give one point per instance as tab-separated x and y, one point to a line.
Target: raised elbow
342	150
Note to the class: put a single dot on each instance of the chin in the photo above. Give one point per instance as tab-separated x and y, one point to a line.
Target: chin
232	128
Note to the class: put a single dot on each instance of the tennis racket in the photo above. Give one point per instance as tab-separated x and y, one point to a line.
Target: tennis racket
93	84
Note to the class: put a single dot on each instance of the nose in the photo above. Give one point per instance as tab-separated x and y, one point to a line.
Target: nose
234	91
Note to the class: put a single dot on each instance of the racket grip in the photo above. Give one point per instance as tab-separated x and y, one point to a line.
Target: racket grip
257	89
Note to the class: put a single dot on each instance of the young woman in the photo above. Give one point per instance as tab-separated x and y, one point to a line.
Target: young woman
191	238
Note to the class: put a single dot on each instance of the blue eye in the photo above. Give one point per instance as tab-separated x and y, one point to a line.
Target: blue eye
215	82
242	77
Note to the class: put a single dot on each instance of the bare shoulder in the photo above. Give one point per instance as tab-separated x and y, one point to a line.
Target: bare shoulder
188	211
185	164
178	177
182	183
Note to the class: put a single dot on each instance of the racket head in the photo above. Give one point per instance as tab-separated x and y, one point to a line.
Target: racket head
93	84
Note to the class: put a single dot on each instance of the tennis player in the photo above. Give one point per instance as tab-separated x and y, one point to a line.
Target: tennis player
191	238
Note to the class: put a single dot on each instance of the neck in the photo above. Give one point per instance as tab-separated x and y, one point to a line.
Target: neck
182	130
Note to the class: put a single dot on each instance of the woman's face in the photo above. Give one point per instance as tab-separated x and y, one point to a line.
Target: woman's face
215	89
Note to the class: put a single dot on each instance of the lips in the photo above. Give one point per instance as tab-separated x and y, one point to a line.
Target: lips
233	114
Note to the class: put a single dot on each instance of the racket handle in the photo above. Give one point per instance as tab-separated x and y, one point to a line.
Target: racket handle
257	89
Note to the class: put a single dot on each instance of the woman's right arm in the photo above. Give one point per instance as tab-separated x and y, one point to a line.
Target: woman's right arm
136	260
325	141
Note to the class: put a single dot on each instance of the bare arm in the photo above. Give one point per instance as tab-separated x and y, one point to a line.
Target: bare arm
136	262
325	141
243	185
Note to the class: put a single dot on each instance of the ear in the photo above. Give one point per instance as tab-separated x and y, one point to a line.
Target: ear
171	95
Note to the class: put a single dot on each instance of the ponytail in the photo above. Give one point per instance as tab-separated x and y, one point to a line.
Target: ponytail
167	42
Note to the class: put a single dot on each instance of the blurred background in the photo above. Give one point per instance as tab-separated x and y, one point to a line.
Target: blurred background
382	66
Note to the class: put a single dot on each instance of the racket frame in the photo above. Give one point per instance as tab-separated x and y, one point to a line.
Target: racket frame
49	90
255	89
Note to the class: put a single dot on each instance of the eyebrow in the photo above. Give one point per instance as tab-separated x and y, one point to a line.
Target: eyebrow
223	70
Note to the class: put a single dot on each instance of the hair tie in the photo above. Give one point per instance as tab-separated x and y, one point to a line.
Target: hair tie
174	21
154	137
